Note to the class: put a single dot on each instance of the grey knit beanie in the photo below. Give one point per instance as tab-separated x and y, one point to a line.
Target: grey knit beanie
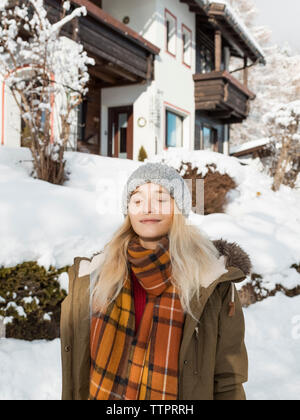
161	174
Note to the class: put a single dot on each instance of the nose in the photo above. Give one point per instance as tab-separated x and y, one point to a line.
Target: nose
147	207
148	202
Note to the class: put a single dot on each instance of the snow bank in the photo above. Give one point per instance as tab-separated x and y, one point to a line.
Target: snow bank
53	224
199	159
30	370
273	340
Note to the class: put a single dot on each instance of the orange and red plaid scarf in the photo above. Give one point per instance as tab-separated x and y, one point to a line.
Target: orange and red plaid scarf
142	366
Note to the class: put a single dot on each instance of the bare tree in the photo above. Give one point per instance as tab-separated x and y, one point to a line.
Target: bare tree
47	75
274	83
283	125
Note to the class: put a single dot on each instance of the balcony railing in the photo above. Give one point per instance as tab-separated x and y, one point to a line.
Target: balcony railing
222	96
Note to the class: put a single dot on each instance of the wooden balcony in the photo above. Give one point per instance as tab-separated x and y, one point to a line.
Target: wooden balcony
222	97
122	56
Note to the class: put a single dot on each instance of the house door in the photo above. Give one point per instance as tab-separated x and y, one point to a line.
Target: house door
120	132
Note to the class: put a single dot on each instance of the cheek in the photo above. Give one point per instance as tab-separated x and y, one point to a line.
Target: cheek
167	220
133	218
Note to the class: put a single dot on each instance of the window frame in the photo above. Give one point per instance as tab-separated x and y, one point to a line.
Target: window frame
167	20
214	135
167	110
184	29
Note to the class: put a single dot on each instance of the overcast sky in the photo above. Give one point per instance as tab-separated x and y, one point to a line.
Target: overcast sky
283	17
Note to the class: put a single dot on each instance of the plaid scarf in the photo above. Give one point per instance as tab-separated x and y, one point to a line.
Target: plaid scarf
142	366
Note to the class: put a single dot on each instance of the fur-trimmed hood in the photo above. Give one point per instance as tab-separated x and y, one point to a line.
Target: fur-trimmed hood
234	255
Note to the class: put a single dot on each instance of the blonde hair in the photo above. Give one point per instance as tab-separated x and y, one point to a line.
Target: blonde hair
194	260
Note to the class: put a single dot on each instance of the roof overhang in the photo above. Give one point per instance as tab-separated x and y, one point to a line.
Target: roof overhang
109	20
222	17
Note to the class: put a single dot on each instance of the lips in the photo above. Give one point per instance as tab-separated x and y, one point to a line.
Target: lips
150	220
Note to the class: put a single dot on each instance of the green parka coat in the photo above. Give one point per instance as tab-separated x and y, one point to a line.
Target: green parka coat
213	363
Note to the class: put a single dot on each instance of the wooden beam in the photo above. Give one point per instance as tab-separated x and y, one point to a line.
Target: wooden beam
238	85
189	2
194	7
248	151
120	72
97	2
103	76
223	114
201	19
149	67
230	38
218	50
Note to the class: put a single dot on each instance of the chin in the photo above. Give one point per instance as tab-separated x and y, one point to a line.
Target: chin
151	235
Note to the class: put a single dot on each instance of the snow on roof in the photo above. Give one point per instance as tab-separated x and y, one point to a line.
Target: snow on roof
249	145
237	21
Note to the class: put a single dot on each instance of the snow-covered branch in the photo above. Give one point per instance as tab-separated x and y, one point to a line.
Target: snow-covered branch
35	65
283	125
79	11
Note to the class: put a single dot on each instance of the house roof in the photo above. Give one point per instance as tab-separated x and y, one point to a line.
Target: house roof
248	147
226	17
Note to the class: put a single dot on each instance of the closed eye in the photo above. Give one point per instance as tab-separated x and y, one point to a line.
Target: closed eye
138	201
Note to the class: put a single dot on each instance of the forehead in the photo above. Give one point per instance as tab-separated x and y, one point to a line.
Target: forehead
150	186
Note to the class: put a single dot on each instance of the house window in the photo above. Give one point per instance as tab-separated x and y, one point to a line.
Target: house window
206	60
171	33
174	130
209	138
187	46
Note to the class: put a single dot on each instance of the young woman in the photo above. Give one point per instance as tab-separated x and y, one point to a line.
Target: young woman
155	315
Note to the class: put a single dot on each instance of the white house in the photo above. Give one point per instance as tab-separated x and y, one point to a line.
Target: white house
161	77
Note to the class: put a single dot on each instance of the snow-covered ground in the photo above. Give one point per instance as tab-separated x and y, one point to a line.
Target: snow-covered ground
30	370
53	224
273	344
33	370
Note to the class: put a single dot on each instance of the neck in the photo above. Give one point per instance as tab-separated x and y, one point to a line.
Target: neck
150	243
